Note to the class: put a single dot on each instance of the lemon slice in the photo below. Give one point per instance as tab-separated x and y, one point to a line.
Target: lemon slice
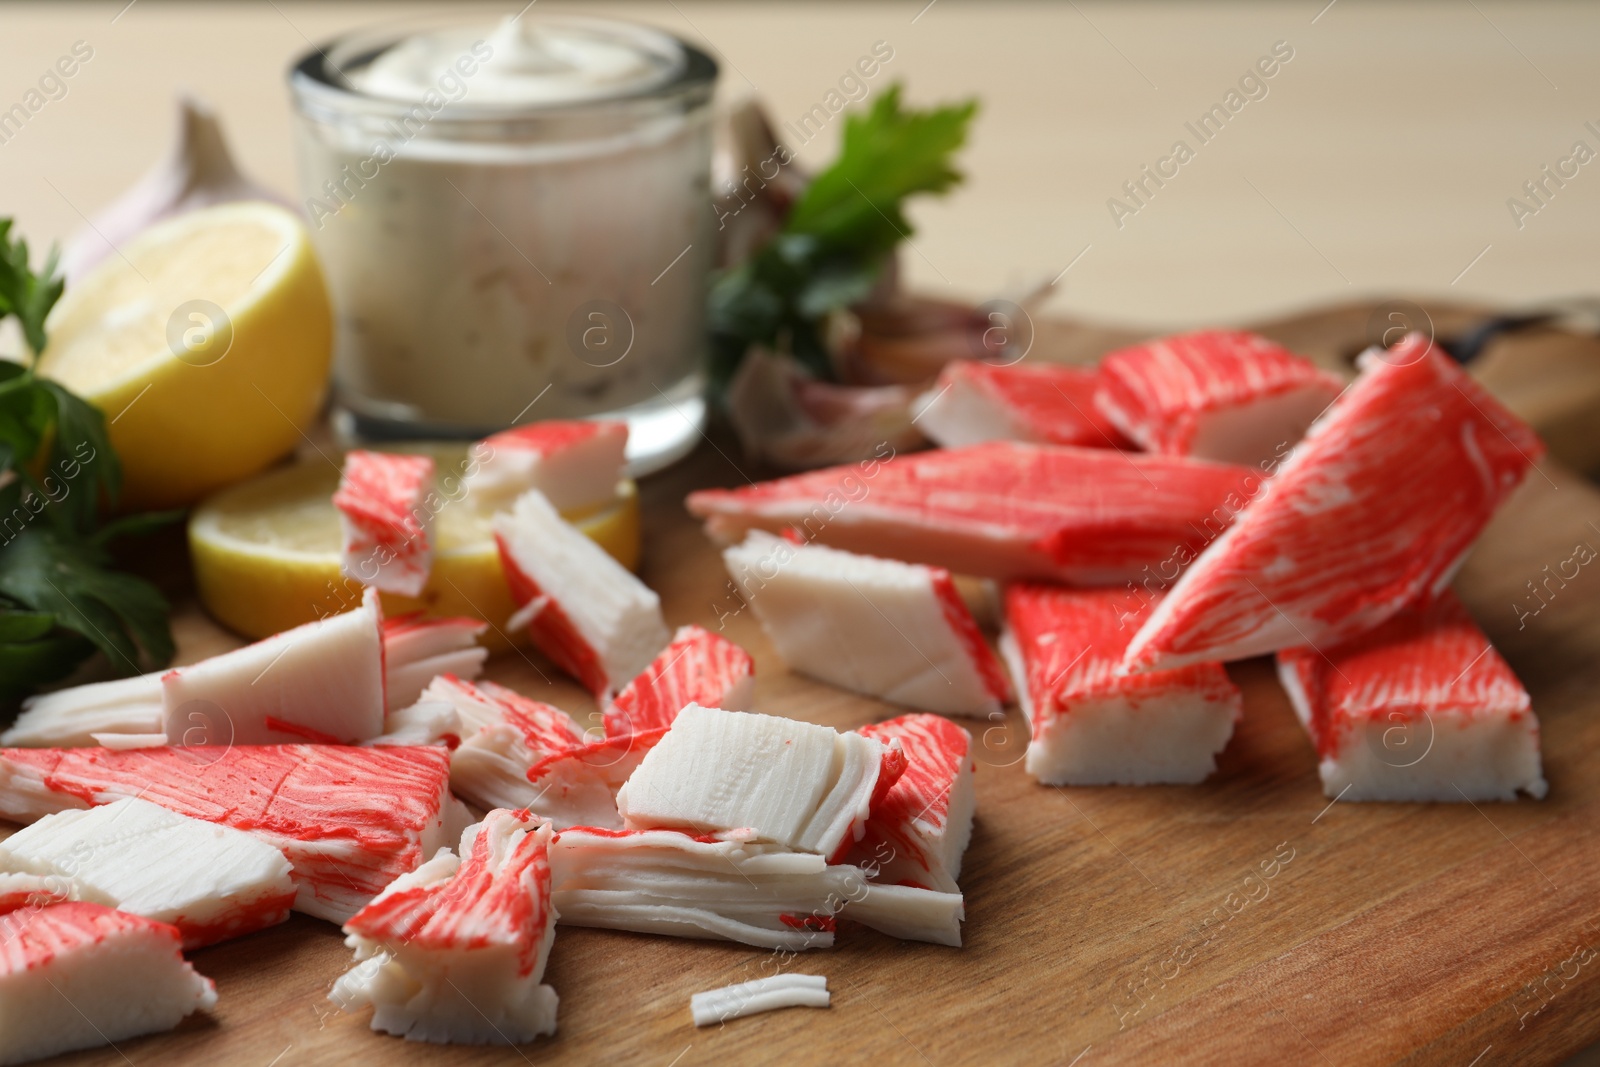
205	341
266	553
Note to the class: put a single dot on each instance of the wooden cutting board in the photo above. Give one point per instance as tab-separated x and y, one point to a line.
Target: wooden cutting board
1245	920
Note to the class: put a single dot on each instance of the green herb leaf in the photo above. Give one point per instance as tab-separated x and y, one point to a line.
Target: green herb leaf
838	237
27	295
59	599
25	665
80	460
887	155
125	617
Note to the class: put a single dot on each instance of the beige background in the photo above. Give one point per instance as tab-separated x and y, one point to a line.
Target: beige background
1380	160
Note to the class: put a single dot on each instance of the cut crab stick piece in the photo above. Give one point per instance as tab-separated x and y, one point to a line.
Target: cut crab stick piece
77	975
583	609
698	667
212	882
575	464
910	913
386	522
892	630
919	830
764	994
1092	725
681	885
805	787
1375	510
454	952
1048	403
321	682
414	651
71	717
517	752
348	819
1422	708
1225	395
417	650
998	510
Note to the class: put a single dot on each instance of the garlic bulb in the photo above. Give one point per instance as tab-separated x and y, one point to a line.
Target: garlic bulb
197	172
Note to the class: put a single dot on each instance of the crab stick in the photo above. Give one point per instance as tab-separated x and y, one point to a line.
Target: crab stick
1226	395
1422	708
454	952
1374	511
1004	509
77	975
583	609
210	881
385	520
349	819
1090	724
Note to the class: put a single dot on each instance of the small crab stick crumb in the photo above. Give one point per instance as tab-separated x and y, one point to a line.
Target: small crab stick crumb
454	952
763	994
387	525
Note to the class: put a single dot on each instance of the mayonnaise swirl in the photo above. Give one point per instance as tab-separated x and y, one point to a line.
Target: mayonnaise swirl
529	62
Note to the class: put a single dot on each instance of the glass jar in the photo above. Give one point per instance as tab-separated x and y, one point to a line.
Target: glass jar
515	223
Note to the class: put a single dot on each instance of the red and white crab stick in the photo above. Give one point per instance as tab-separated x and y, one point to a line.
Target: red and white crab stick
75	975
583	609
1004	509
896	631
385	519
1226	395
1422	708
1049	403
454	952
349	819
1091	724
1374	511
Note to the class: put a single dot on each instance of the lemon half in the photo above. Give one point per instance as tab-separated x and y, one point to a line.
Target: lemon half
206	342
266	553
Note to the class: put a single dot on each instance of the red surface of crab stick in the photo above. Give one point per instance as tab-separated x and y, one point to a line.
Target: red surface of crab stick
998	510
1374	511
1225	395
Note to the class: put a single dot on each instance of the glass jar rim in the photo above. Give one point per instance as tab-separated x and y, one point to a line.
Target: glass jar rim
317	78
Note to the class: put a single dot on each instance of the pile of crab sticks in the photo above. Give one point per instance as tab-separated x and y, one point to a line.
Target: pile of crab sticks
1189	502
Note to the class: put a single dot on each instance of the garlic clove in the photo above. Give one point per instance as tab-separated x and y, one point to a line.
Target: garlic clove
196	172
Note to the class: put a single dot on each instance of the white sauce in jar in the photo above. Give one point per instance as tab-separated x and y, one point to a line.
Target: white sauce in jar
515	221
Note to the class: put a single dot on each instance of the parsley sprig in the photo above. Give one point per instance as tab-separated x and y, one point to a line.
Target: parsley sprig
60	599
838	237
